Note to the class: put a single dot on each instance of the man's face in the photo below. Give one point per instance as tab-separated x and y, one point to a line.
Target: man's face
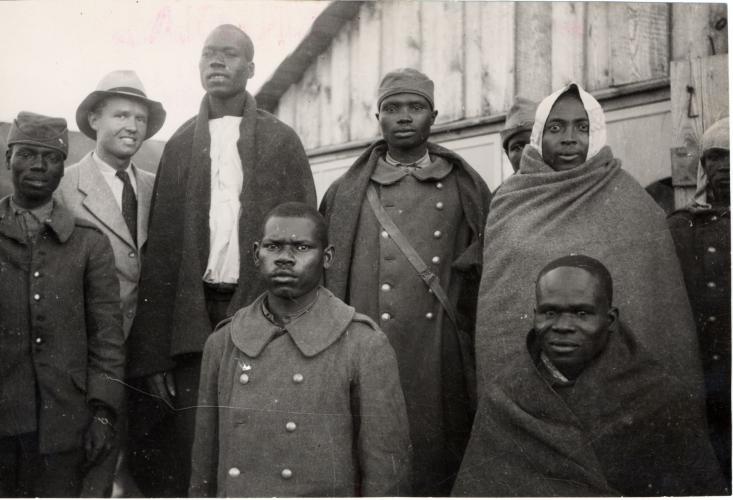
716	163
572	318
405	120
290	256
223	67
36	172
515	147
565	136
121	125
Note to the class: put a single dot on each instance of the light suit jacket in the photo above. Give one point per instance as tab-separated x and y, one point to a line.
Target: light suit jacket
87	195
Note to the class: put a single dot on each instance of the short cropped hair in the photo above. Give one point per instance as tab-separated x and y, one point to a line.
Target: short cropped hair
589	264
299	210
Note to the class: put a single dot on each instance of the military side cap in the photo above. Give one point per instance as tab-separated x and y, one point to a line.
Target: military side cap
519	118
406	80
717	136
39	130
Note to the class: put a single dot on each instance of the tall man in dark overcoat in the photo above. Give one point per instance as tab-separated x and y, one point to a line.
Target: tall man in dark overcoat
220	173
61	342
439	204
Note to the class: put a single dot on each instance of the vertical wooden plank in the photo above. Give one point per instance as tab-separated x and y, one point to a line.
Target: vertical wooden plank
686	130
442	55
365	71
323	75
712	81
497	51
689	27
401	38
639	42
473	75
597	46
718	23
340	86
568	40
534	49
307	108
286	107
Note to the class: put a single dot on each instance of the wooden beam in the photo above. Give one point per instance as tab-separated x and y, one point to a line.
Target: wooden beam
568	43
498	24
534	49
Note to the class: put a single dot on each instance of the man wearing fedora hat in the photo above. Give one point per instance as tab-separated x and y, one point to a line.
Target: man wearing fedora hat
62	346
106	188
220	173
407	219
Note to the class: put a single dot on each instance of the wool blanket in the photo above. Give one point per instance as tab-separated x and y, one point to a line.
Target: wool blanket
172	317
625	427
599	210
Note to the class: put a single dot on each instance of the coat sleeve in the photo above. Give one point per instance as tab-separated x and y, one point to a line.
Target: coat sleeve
383	440
205	451
105	339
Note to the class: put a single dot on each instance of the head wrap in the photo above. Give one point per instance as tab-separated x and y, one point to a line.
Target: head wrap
519	118
717	136
596	120
406	80
39	130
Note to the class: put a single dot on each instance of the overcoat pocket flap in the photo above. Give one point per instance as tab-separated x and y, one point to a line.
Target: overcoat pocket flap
79	377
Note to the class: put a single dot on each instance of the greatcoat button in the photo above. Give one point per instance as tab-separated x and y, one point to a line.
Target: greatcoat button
286	474
234	472
290	426
36	297
36	274
716	357
243	378
429	315
439	205
439	185
386	287
714	218
435	260
437	234
297	378
711	249
386	316
711	284
39	340
131	254
385	234
712	319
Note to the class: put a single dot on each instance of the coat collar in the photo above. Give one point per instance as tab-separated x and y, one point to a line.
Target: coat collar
61	222
312	333
387	174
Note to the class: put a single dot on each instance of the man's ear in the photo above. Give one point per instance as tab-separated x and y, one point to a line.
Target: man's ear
8	154
376	115
251	69
434	115
613	319
328	255
256	253
92	119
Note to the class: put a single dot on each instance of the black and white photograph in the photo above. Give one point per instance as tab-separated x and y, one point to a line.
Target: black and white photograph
344	248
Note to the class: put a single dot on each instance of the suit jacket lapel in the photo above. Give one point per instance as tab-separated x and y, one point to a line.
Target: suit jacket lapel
100	201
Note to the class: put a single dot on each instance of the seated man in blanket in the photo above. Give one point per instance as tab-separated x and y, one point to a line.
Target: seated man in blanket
584	409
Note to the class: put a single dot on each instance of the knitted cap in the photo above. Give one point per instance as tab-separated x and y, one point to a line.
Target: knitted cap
406	80
519	118
39	130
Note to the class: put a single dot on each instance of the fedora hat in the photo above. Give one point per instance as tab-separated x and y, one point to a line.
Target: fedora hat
121	83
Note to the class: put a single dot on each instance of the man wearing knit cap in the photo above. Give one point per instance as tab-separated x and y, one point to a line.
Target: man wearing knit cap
106	188
517	129
61	352
417	211
701	233
219	174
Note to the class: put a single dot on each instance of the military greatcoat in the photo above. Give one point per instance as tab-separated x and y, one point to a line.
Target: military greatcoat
441	209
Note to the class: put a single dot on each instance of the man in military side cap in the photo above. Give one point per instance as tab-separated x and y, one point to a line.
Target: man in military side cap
61	342
417	211
517	129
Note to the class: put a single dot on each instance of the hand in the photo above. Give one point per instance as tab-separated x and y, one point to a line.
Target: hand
161	385
100	436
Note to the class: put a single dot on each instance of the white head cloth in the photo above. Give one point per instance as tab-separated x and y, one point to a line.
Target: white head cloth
717	136
596	119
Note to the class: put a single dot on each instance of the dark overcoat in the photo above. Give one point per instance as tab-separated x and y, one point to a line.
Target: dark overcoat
171	317
441	209
315	411
61	340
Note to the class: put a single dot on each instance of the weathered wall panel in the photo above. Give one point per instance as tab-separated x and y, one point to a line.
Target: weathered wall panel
365	53
534	49
401	42
639	41
597	46
338	120
498	57
568	43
